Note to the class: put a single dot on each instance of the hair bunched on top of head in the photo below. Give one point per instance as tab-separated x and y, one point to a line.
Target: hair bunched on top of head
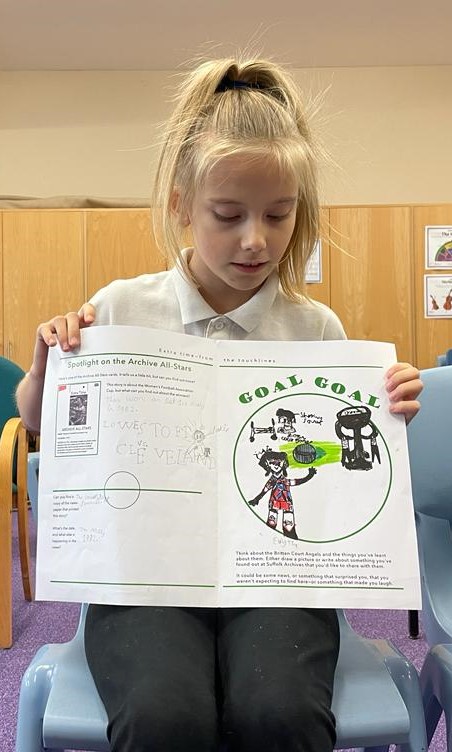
208	125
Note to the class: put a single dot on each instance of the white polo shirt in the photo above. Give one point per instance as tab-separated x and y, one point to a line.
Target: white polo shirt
167	300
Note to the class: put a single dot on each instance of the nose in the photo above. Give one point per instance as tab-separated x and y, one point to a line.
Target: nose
254	238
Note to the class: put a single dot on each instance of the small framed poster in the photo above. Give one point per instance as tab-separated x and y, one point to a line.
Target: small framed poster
314	266
438	247
437	296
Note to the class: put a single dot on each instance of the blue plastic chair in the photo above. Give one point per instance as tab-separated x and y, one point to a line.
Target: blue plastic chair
33	482
436	685
377	698
445	359
13	492
430	445
430	450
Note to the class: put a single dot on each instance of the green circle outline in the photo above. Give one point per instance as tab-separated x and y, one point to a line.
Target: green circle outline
309	540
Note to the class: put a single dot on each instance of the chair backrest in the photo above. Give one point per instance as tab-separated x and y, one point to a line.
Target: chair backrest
430	445
10	375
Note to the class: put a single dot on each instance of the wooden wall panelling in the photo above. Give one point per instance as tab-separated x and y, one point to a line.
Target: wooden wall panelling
371	277
433	336
321	290
42	274
119	245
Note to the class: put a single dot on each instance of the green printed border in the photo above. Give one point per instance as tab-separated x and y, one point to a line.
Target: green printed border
124	488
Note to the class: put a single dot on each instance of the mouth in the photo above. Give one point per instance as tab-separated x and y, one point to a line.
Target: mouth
249	265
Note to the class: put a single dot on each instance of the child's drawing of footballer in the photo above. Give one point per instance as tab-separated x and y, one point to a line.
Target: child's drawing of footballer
275	464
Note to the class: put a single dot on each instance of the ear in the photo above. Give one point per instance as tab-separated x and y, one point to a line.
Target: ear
184	219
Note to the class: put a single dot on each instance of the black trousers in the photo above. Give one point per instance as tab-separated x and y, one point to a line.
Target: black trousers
200	680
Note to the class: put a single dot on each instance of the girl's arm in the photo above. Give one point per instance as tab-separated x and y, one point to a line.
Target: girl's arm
62	329
256	500
404	386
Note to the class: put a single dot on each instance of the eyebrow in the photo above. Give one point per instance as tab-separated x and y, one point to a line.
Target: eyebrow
284	200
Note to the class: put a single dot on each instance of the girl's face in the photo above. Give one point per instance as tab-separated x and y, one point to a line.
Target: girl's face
242	219
275	467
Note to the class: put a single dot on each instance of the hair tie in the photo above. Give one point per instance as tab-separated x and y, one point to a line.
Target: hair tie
227	83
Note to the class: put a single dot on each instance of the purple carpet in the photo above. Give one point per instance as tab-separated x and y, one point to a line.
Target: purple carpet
37	623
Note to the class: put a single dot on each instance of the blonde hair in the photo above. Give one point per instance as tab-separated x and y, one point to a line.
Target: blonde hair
211	121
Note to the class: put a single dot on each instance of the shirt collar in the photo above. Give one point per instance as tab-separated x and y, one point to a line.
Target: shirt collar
194	308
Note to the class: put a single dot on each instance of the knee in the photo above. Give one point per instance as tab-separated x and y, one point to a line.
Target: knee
144	724
288	724
312	721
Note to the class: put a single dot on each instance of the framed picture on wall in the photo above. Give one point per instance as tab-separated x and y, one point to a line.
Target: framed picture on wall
314	266
438	247
437	296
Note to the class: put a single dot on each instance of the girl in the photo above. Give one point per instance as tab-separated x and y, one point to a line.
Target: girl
238	167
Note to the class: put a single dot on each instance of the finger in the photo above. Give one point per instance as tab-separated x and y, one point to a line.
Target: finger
400	373
46	333
86	314
397	367
407	390
72	329
59	329
408	408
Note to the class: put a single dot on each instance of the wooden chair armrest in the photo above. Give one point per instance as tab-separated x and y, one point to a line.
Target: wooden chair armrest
8	441
14	435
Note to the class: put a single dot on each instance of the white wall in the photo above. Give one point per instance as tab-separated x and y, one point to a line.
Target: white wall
95	133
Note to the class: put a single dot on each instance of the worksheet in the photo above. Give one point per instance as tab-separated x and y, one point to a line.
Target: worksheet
177	470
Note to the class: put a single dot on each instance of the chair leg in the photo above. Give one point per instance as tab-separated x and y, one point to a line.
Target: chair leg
7	443
22	513
407	682
413	624
34	693
436	686
6	617
433	712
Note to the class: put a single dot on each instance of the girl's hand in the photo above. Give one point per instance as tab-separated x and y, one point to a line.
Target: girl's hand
62	329
403	385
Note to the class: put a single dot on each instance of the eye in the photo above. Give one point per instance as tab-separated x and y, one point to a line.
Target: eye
223	218
279	217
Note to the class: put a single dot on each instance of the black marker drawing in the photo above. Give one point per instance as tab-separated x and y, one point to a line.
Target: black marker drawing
270	429
353	427
275	464
286	421
286	427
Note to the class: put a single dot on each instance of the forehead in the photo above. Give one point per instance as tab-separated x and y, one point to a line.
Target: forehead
239	177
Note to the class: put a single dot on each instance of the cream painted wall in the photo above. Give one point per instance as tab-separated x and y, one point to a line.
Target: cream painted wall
95	133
